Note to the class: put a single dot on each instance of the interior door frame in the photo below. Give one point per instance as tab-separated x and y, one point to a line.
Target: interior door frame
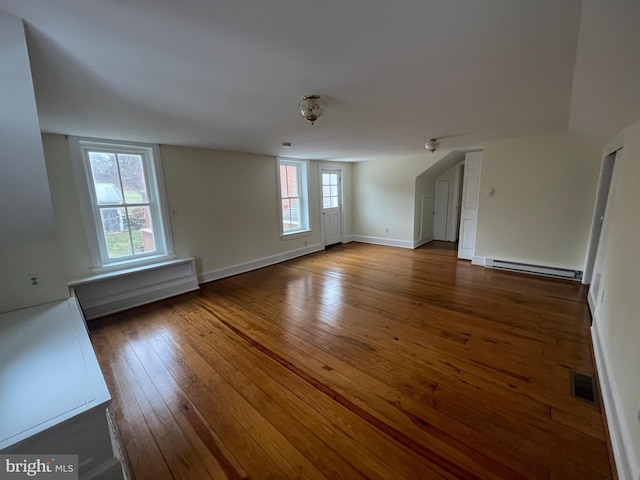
604	185
343	199
445	237
457	201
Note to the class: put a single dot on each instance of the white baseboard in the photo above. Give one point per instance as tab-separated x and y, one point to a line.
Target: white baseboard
103	295
389	242
424	241
347	238
231	270
482	261
626	460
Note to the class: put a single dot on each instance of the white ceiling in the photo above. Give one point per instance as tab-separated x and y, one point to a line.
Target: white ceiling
228	74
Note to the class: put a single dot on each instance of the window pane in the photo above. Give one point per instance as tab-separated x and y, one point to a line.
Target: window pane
326	191
292	181
141	230
132	174
106	182
286	215
334	191
116	232
334	202
326	202
283	181
294	214
293	195
329	179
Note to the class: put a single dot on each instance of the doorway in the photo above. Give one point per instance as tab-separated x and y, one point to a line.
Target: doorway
331	203
441	210
599	231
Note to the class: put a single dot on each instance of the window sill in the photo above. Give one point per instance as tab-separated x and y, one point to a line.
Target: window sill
169	260
142	262
291	236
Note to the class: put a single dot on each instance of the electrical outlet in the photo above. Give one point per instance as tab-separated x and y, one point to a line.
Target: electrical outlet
33	280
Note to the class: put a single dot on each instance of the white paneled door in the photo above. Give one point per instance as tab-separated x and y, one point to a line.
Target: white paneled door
331	205
469	210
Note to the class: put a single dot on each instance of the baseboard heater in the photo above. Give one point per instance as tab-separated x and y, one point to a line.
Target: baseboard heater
534	269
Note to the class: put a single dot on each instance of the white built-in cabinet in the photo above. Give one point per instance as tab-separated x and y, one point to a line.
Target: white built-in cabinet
53	397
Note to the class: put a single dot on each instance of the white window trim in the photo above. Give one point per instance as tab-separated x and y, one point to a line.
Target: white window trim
304	198
83	181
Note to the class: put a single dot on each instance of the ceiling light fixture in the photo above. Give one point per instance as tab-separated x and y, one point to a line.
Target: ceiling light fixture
432	145
311	107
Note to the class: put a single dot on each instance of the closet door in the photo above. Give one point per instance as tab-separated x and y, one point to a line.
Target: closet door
469	207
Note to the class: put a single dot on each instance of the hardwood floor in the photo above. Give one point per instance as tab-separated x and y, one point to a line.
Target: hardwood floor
359	362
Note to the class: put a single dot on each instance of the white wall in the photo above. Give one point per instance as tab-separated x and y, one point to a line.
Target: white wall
27	243
542	207
66	208
616	327
384	196
605	96
226	204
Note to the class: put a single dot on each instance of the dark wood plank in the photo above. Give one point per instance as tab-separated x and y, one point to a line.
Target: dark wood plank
358	362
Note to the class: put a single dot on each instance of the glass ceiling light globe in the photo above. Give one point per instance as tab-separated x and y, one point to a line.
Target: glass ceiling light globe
311	107
432	145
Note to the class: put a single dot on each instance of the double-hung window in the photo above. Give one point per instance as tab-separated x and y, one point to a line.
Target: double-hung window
122	197
294	205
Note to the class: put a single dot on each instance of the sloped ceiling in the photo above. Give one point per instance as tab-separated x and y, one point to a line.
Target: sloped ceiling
229	74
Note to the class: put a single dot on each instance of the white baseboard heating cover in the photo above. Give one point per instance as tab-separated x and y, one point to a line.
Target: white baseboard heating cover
534	269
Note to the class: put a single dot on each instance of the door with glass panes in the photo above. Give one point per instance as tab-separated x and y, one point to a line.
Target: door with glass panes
331	206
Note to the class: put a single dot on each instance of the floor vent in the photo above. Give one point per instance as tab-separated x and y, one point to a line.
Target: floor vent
534	269
584	387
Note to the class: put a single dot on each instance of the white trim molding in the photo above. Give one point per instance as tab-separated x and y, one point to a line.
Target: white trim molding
424	241
112	292
244	267
615	144
389	242
482	261
302	182
626	460
80	149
